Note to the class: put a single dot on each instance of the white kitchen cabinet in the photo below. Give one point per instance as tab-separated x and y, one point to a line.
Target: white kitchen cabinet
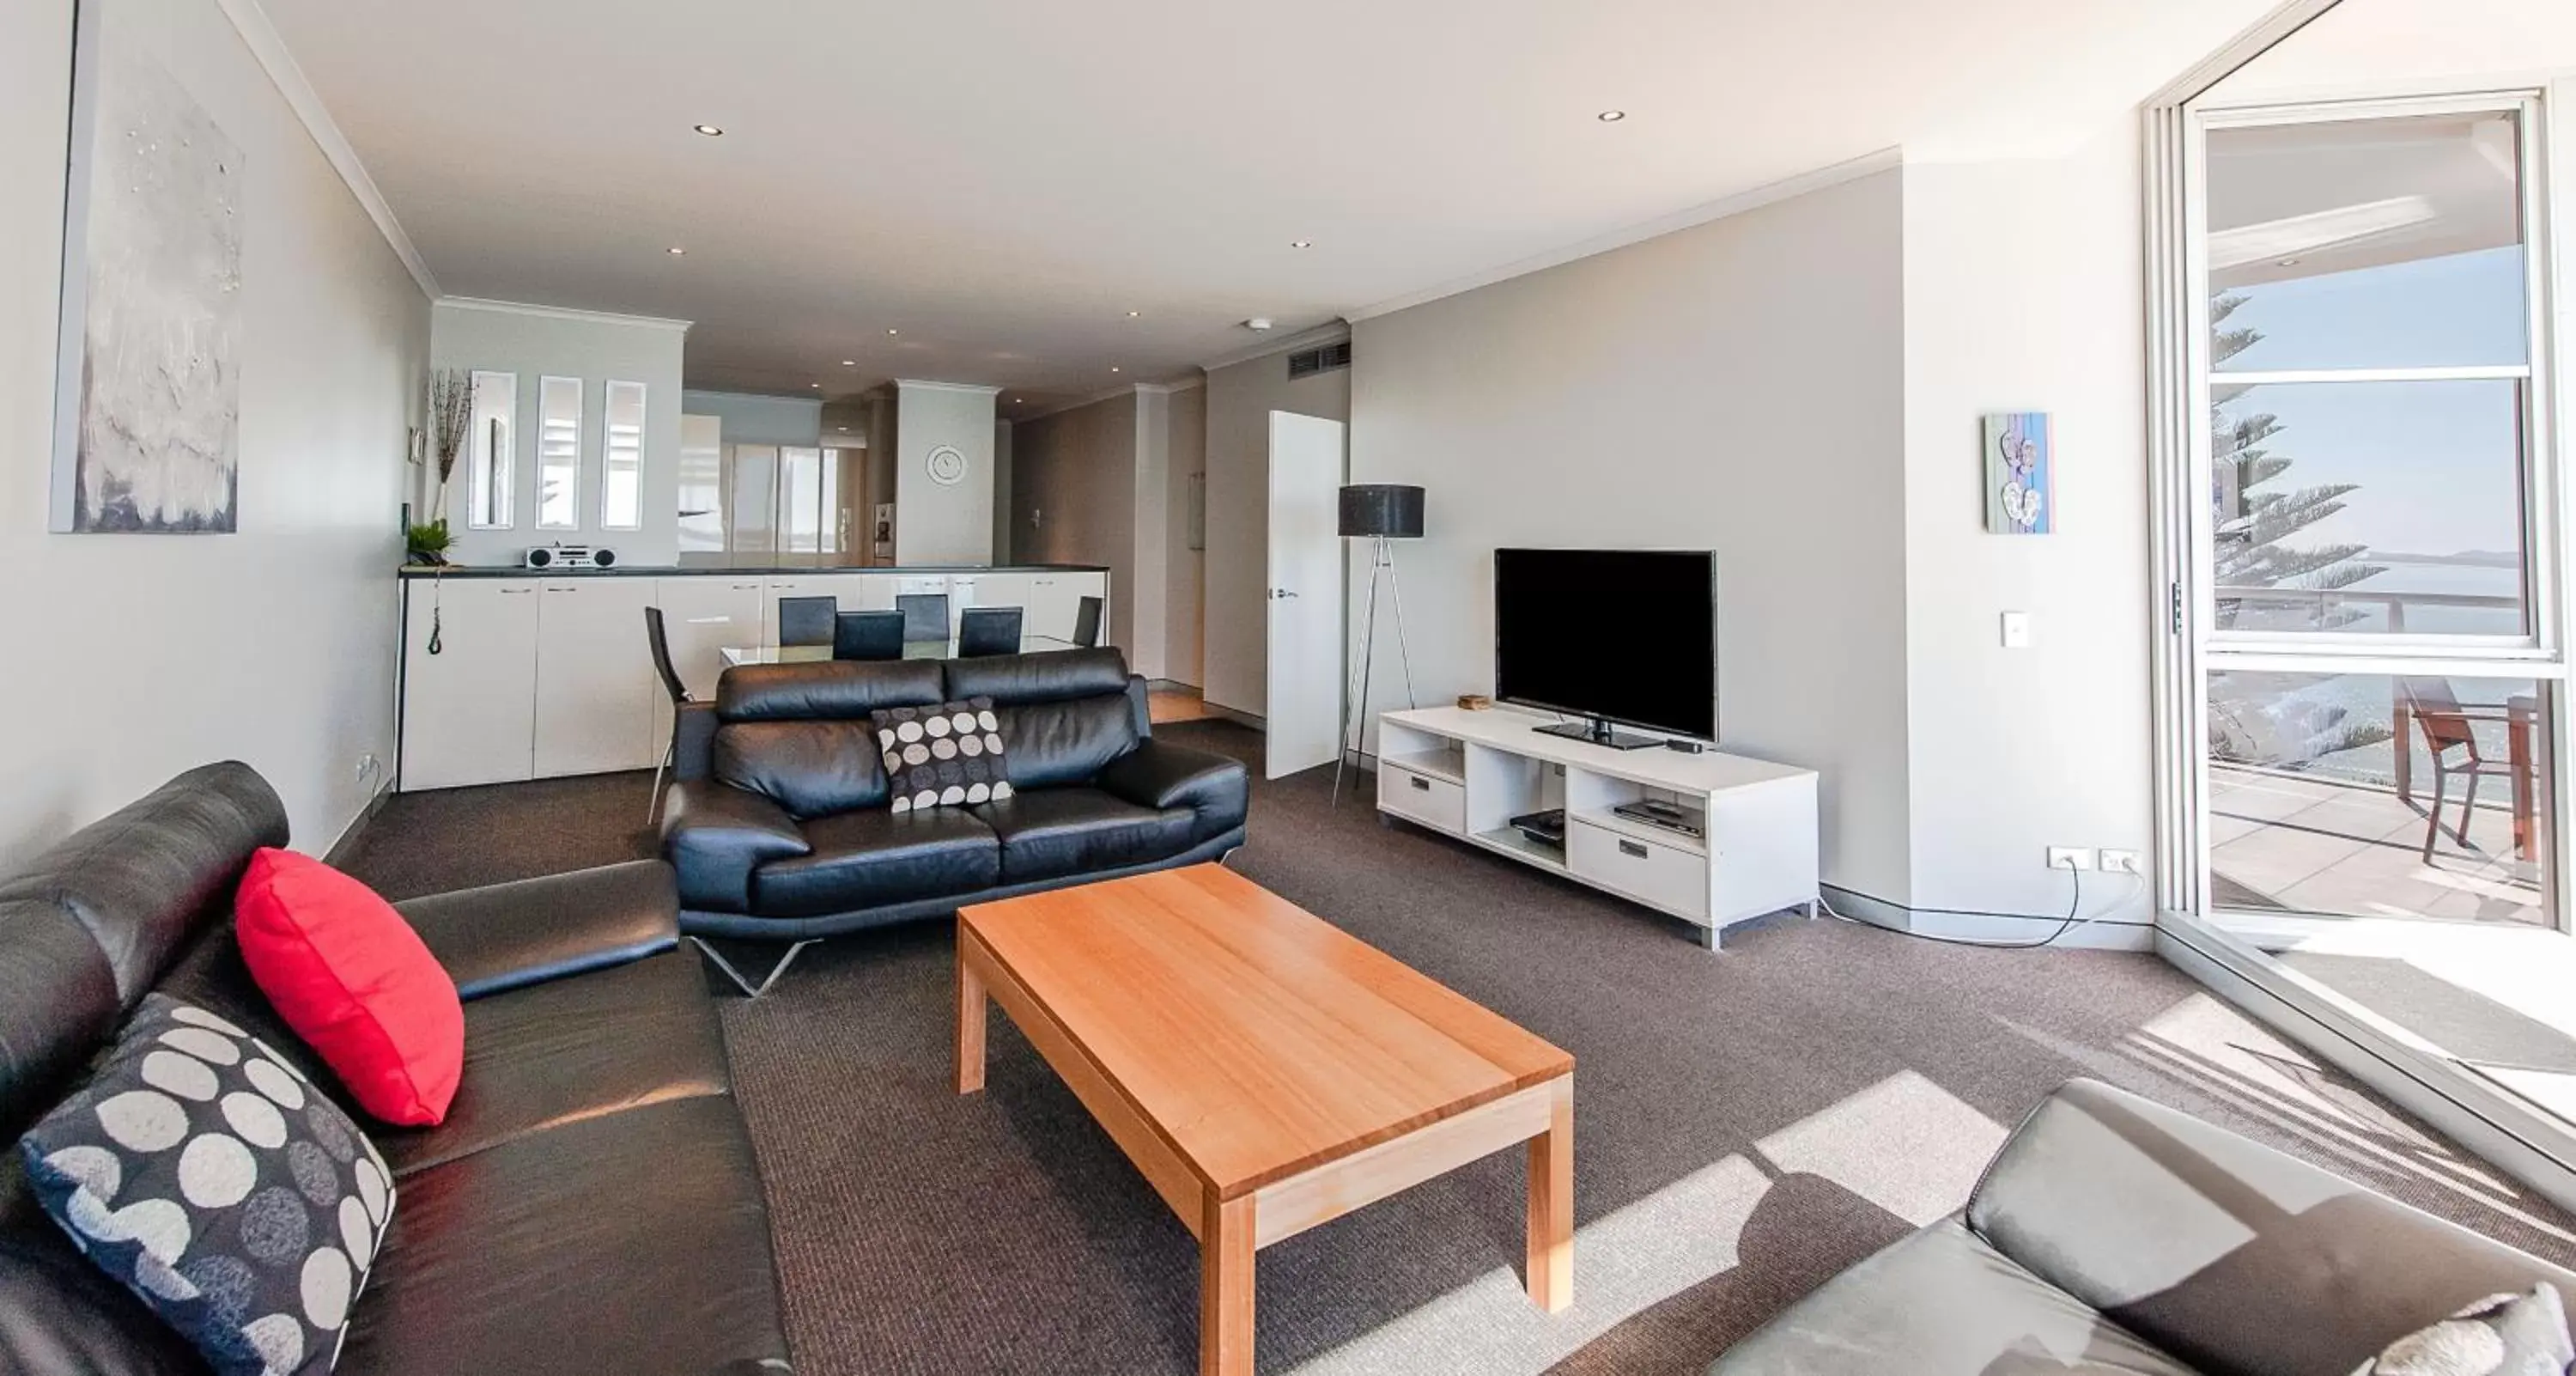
1055	597
595	679
469	708
992	590
700	617
866	592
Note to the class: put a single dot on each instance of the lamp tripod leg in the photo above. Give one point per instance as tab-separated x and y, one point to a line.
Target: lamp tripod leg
1404	651
1356	707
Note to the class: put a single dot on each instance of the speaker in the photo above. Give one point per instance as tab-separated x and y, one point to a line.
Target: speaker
570	557
603	557
541	557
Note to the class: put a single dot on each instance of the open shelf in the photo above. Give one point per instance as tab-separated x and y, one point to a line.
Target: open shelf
1509	840
1449	764
1607	820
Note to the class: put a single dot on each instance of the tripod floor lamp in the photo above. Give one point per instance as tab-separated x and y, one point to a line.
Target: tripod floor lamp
1379	513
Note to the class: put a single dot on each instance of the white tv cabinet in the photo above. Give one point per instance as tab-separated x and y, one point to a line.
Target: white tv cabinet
1468	774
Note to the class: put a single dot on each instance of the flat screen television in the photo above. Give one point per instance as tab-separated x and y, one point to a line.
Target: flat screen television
1616	637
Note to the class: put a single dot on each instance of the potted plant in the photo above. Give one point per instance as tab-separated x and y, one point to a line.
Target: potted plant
451	418
427	543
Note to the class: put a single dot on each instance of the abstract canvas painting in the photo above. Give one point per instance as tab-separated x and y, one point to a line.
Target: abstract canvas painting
148	406
2020	497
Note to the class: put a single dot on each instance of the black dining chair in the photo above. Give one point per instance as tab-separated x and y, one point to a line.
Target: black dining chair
807	620
867	635
985	631
1086	622
925	615
671	684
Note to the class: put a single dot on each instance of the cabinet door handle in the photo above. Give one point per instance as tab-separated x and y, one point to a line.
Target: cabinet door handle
711	621
1423	784
1635	848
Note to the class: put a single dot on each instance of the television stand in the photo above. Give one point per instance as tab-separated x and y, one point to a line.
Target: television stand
1477	775
1595	731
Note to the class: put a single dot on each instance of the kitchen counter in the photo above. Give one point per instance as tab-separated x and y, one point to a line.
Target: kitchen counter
751	571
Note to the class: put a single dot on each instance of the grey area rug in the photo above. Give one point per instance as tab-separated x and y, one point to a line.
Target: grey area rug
1746	1124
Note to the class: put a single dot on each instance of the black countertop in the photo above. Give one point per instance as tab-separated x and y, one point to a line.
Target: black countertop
759	571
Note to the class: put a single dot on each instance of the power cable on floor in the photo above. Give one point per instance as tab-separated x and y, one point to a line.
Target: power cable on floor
2074	907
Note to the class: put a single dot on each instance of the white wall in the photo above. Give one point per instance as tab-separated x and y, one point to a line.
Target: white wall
537	342
1185	572
1240	398
1074	472
1735	387
936	524
140	656
2041	309
750	418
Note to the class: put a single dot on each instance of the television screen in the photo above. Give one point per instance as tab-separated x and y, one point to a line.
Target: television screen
1628	636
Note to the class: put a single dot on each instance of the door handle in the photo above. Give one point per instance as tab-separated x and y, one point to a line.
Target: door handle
1423	784
1277	593
1634	848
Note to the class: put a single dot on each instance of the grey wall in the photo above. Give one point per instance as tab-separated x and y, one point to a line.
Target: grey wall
1736	387
937	523
536	343
141	656
750	418
2013	751
1240	399
1073	498
1004	444
1185	569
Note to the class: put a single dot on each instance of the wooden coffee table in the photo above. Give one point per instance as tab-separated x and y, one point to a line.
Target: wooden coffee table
1266	1071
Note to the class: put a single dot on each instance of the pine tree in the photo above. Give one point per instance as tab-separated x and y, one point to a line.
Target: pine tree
2257	717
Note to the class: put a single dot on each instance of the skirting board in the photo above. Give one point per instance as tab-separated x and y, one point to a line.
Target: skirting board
2105	934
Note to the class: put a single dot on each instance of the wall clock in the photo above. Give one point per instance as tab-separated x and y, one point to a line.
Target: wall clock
947	466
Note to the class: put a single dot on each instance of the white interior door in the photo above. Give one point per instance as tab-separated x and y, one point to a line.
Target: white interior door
1305	697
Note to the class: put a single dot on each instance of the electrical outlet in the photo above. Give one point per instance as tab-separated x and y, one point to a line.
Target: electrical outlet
2120	862
2070	858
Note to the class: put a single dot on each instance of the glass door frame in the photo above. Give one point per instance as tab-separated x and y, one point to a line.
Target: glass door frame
2528	1144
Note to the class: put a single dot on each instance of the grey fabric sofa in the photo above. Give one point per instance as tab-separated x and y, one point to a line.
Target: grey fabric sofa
2115	1235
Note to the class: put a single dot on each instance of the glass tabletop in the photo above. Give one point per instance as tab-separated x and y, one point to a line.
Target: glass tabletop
912	649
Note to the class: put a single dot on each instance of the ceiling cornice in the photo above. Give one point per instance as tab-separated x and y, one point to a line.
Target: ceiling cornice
262	38
1832	175
1128	389
1330	332
922	385
476	303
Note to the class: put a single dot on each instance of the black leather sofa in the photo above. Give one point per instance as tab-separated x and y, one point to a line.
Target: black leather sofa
777	819
591	1203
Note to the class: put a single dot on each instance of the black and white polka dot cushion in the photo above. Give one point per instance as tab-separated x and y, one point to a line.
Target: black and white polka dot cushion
944	756
218	1185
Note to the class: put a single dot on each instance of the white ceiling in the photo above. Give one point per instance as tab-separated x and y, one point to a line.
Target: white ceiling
1003	181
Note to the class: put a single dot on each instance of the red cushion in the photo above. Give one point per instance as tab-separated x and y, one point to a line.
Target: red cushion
354	981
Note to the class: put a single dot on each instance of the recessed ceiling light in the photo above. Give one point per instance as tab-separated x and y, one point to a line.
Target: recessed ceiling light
845	429
1116	369
849	363
2288	263
1133	314
1301	243
676	250
1611	116
891	331
1257	323
818	386
709	130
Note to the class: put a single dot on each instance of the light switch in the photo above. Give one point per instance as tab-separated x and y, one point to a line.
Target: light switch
2016	630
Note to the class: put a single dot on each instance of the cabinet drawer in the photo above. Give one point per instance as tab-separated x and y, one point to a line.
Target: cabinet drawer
1673	880
1435	803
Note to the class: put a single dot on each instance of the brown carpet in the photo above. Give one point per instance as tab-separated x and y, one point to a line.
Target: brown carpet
1747	1124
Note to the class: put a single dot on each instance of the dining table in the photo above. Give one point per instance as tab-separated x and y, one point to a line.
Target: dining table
946	648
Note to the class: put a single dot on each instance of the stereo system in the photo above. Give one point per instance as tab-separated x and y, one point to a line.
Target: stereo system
571	557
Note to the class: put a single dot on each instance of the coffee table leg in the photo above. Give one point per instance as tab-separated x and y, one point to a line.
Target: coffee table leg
972	1009
1551	1205
1225	1287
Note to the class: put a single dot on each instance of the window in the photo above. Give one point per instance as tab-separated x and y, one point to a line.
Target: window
559	454
2377	669
754	508
621	457
809	501
491	452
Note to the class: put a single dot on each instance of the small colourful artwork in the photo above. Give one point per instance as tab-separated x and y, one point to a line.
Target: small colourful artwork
2020	495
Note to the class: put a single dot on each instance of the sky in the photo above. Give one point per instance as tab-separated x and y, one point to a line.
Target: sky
2438	463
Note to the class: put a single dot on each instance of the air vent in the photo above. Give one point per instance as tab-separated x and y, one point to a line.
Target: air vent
1309	362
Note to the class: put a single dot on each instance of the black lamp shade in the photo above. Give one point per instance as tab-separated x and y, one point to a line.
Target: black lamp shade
1389	509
